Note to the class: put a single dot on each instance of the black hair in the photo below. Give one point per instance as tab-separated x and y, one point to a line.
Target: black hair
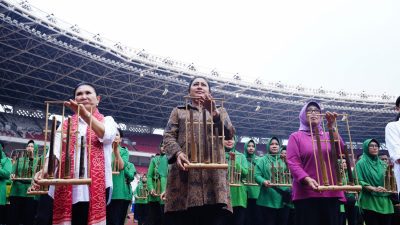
194	78
84	83
121	134
31	141
2	144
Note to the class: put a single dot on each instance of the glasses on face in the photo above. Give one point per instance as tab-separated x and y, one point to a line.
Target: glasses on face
311	111
373	146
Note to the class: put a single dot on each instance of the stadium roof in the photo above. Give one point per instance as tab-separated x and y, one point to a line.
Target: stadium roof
43	58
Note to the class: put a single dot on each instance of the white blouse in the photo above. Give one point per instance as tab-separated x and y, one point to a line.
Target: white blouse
80	193
392	139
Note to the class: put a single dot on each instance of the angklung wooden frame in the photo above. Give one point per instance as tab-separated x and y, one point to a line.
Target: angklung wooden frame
279	176
326	171
204	151
54	176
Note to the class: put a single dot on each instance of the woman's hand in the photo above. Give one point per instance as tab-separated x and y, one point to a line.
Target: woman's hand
209	104
73	105
312	183
163	196
38	176
266	183
330	118
181	160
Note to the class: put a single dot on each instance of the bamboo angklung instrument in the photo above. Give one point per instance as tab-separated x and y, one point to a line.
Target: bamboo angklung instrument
82	159
335	157
273	180
202	143
193	150
348	165
392	180
51	160
205	138
217	148
17	166
321	158
30	169
25	157
67	167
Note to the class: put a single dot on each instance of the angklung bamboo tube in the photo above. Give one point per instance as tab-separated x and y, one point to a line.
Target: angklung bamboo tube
51	151
392	179
82	159
348	165
217	148
232	168
273	180
335	157
320	157
25	155
205	137
193	152
17	166
30	169
67	166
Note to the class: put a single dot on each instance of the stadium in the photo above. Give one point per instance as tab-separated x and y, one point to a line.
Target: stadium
43	58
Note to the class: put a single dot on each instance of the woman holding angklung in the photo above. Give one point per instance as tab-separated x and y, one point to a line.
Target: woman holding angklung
195	196
312	206
84	204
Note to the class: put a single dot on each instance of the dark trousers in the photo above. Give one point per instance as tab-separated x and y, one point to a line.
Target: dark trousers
44	214
202	215
116	211
359	216
80	213
3	214
292	217
140	214
374	218
317	211
156	214
271	216
350	211
252	213
22	210
239	216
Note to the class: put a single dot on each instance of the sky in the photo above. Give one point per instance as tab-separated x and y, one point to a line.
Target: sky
350	45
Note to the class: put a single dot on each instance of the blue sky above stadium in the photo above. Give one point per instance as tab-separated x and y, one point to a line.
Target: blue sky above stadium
349	45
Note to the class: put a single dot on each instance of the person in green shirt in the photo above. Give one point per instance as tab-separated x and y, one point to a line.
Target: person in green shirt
272	200
237	188
141	200
374	199
156	184
252	190
20	202
5	172
121	192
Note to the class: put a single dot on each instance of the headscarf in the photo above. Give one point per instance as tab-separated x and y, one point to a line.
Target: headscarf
246	154
235	139
371	168
270	156
304	125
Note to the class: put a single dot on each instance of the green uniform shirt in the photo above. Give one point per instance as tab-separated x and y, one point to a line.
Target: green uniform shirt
5	171
269	196
371	170
238	193
121	185
157	176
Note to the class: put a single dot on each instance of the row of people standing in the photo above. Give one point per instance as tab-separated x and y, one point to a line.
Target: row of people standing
193	193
